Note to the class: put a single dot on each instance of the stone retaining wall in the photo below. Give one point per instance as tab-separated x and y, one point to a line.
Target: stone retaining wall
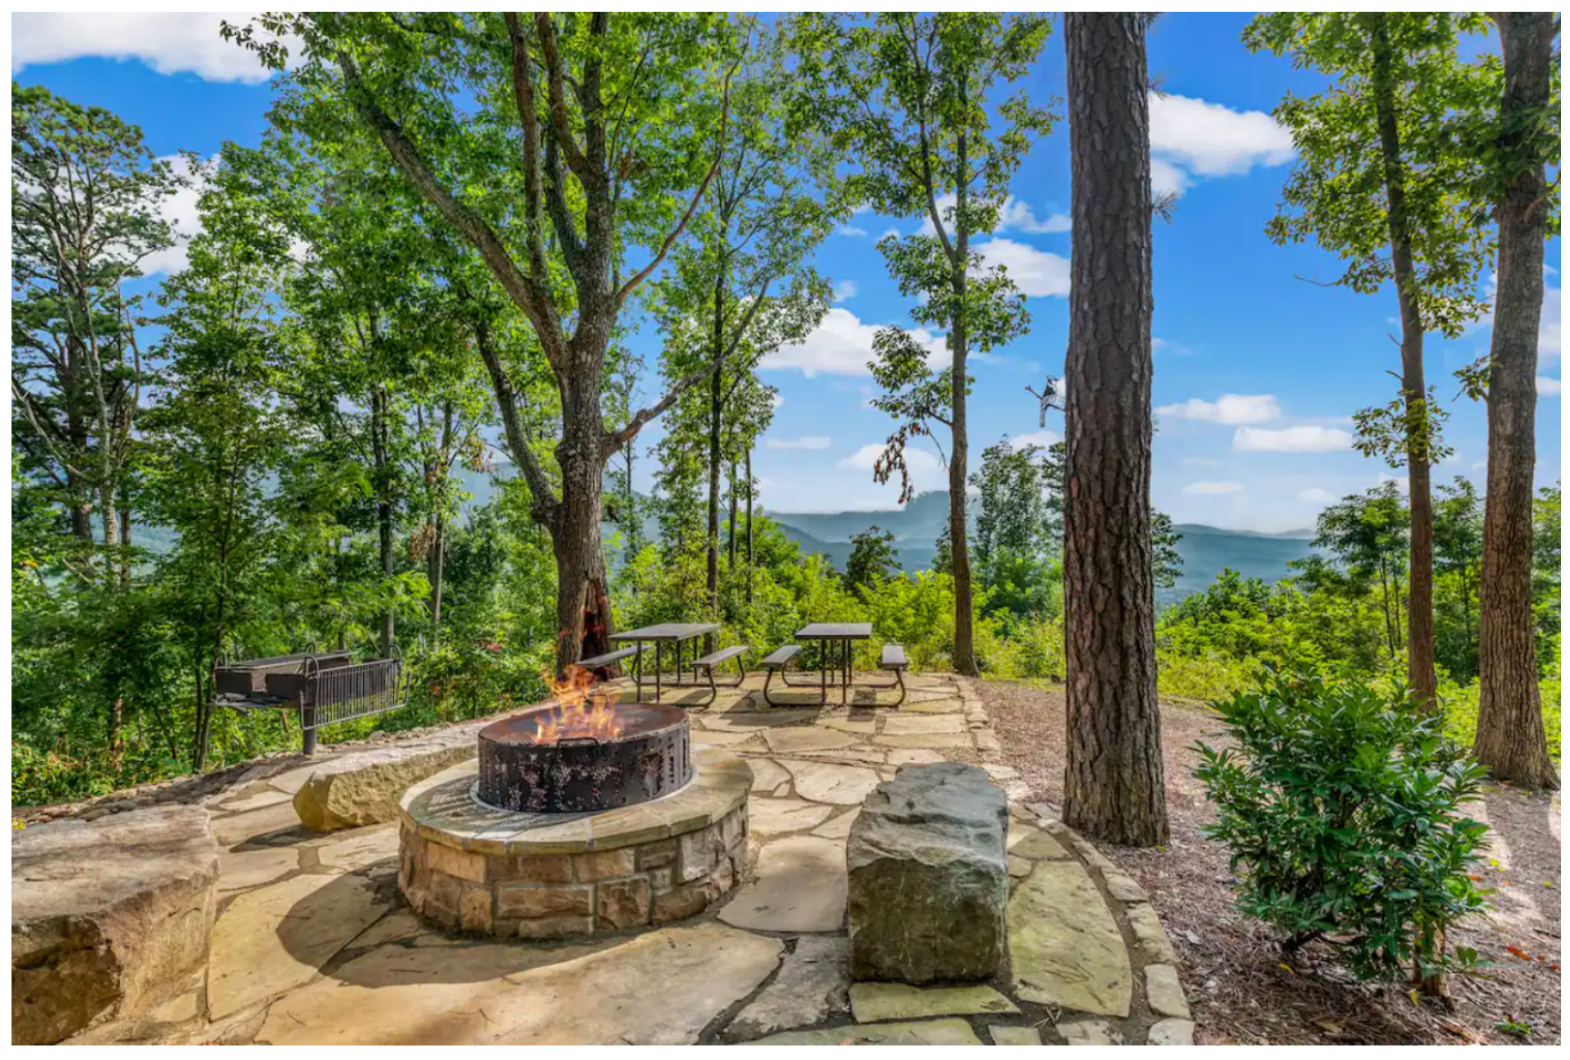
552	896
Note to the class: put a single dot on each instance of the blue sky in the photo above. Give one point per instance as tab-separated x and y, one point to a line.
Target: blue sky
1257	372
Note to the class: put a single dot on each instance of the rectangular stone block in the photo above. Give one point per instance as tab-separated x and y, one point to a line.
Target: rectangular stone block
555	927
459	863
474	909
623	903
535	902
928	877
605	864
700	851
544	868
443	898
657	855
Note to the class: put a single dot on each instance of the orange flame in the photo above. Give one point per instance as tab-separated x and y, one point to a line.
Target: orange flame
581	711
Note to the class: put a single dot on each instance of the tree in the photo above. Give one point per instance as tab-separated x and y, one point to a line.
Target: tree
564	150
1458	558
214	434
738	288
1510	739
1380	181
86	195
910	98
1166	560
872	559
1368	534
1113	786
1015	530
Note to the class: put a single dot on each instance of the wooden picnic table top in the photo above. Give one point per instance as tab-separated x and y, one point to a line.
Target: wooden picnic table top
836	631
667	631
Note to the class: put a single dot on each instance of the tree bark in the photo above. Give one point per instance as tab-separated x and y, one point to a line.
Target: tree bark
384	510
959	454
1510	739
1414	389
1113	784
716	407
749	524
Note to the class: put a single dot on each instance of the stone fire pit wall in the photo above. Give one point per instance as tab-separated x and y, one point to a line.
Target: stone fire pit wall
472	868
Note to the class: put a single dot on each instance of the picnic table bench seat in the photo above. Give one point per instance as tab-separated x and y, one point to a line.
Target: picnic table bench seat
597	661
775	663
712	660
893	658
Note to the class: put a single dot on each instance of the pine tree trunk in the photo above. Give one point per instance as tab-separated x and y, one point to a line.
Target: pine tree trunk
1414	388
1510	740
1113	783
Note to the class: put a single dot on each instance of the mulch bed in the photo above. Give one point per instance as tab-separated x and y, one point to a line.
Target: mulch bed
1240	986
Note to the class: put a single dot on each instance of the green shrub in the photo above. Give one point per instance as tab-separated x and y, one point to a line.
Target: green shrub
1341	807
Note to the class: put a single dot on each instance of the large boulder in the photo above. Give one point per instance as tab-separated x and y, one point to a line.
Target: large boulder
110	919
929	877
364	787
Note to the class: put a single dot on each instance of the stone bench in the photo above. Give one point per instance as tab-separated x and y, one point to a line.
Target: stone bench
110	919
364	787
928	877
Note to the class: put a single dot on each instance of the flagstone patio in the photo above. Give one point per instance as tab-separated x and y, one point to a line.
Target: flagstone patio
313	945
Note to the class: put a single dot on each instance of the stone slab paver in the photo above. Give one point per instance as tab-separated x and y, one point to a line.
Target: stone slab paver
839	827
1151	935
257	825
922	723
829	782
768	817
927	1032
1064	946
274	939
811	987
800	886
1014	1035
659	988
914	756
767	774
1089	1032
877	1002
361	850
243	869
785	741
251	802
1164	992
1171	1032
931	741
1027	842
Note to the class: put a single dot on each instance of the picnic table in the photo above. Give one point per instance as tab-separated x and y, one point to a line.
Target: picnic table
673	633
830	634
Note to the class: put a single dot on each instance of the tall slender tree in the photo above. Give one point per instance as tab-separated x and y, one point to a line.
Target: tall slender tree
1113	786
1381	180
567	150
86	196
1510	739
912	99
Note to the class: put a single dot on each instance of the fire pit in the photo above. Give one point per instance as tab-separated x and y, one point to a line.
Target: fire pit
573	758
580	817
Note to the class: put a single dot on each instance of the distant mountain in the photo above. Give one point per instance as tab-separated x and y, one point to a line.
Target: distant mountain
1206	550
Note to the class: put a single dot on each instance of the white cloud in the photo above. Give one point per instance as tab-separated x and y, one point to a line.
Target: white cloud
845	289
1213	488
811	441
1016	215
1228	408
1160	345
1037	273
1192	138
850	230
180	211
1399	480
840	345
1044	438
1316	495
1305	439
925	469
889	232
170	43
1547	387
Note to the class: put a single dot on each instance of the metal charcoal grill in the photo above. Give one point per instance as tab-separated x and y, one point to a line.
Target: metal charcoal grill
323	687
651	757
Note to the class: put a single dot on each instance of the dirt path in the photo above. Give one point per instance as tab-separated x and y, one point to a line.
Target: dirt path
1240	988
